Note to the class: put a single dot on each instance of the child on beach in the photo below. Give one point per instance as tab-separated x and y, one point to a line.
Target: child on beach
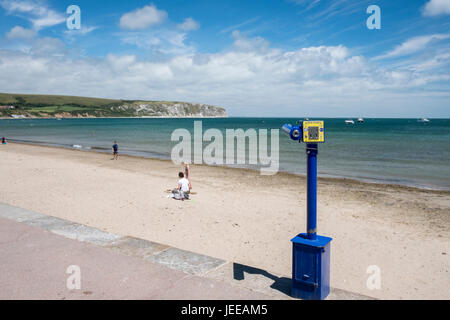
115	149
187	172
183	188
3	140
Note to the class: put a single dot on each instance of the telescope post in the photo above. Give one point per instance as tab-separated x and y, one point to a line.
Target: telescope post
310	252
311	224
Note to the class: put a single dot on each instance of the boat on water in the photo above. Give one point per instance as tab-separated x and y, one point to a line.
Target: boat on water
360	120
349	122
424	120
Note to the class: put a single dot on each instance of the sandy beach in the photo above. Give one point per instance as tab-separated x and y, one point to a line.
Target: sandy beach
241	216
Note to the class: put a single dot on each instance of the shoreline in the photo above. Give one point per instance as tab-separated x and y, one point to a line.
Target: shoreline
239	117
143	117
331	179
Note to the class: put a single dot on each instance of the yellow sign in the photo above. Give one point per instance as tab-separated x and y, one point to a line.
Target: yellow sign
313	132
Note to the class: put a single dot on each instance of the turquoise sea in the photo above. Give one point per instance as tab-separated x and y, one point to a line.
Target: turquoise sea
398	151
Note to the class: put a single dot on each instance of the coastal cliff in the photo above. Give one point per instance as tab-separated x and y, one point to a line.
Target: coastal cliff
170	109
51	106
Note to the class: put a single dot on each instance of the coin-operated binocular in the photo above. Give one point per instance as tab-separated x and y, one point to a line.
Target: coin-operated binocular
307	132
310	252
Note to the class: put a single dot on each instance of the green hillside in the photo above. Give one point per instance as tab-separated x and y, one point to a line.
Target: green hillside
39	106
51	100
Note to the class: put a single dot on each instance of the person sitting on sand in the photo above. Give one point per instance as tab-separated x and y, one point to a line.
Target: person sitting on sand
3	140
115	149
183	188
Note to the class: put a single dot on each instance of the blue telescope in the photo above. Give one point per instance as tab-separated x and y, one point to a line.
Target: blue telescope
310	252
293	132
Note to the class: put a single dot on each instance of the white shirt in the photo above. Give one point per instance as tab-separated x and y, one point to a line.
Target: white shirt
184	184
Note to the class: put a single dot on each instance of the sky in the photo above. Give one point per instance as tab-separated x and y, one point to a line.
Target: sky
259	58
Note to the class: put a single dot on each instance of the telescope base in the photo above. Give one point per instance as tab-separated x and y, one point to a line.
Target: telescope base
310	267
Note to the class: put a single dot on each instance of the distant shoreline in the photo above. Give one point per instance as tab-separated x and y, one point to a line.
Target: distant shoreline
57	106
144	117
215	117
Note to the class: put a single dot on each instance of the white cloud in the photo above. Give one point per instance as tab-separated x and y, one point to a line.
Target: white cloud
84	30
142	18
49	19
189	24
120	63
436	7
239	25
414	45
36	12
159	42
19	32
439	61
307	4
19	6
250	77
48	47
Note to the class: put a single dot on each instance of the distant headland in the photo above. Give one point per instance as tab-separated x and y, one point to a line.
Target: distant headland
56	106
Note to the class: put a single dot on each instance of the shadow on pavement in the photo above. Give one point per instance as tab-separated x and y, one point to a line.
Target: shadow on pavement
281	284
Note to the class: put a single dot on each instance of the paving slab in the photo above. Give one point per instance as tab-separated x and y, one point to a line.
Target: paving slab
48	223
86	234
137	247
18	214
186	261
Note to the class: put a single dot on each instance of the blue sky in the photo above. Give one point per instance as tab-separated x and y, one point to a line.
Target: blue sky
255	58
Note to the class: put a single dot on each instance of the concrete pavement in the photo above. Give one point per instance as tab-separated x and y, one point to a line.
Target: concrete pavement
34	263
40	253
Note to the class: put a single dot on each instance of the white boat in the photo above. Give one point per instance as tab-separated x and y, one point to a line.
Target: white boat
424	120
360	120
349	122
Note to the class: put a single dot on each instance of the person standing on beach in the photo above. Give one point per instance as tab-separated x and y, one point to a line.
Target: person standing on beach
3	140
115	149
187	170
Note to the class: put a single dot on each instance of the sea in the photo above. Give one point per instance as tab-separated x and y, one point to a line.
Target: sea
407	152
